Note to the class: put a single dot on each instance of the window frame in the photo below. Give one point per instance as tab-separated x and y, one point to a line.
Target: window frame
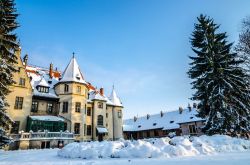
89	130
15	127
36	106
66	88
18	103
52	107
78	89
78	107
119	113
22	81
100	105
65	107
88	111
100	120
77	128
192	129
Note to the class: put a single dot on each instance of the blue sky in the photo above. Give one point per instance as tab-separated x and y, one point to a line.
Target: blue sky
141	46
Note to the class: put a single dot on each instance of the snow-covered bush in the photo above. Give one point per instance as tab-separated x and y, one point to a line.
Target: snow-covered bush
155	147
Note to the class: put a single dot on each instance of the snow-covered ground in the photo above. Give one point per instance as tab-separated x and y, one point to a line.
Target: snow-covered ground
49	157
180	150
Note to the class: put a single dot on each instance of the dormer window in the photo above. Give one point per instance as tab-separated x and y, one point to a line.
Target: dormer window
78	77
171	121
43	89
154	124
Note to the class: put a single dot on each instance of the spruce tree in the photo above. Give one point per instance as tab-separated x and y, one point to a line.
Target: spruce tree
220	83
8	47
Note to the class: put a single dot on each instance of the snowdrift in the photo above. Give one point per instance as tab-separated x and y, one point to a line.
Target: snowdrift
157	147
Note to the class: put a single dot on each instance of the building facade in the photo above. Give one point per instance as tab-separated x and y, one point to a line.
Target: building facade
44	100
173	123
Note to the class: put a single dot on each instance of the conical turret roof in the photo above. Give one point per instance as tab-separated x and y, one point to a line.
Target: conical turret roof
114	98
72	73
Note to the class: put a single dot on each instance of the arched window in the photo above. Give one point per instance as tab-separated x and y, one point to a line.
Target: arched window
100	120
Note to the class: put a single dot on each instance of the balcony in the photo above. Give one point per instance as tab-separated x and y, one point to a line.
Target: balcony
42	135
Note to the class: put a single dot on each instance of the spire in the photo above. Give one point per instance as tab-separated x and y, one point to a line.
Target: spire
72	73
113	97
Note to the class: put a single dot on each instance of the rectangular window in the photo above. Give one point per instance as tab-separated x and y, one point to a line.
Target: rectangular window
192	129
156	133
65	107
15	127
148	134
119	114
43	89
89	130
49	107
100	105
85	129
65	127
88	111
78	107
78	89
66	88
22	81
19	103
34	106
77	128
107	115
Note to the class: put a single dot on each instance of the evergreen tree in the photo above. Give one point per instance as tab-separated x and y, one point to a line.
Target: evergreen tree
8	46
221	85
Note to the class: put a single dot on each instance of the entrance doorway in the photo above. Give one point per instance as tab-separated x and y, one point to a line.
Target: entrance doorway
100	137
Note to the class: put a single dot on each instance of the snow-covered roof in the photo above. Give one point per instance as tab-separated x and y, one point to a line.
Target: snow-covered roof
102	130
72	72
169	120
114	98
95	95
40	77
46	118
43	82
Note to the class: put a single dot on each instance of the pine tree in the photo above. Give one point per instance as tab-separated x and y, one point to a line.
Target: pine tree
221	85
8	47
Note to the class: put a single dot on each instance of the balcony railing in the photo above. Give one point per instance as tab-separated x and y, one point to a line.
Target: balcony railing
42	135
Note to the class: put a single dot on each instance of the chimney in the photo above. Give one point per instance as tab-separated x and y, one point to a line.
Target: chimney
102	91
51	70
194	105
135	118
148	116
189	107
25	59
180	110
161	113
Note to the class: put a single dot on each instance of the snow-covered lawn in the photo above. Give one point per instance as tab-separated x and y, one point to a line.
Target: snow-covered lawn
177	151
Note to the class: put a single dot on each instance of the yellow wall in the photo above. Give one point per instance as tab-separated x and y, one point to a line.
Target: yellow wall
20	91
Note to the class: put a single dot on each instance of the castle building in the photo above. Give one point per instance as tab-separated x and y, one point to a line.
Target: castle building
62	106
